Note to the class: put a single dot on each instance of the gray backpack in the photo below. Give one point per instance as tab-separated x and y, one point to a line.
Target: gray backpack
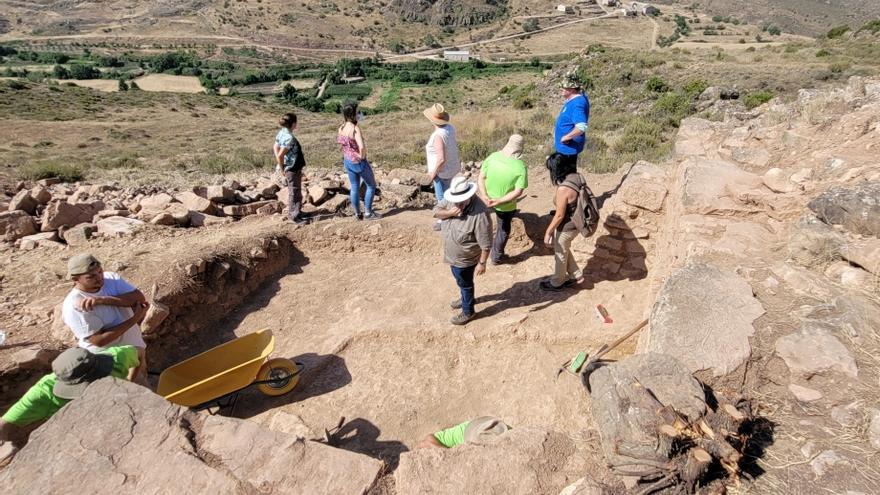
586	212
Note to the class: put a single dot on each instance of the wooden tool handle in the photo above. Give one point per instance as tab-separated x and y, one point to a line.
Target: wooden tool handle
607	349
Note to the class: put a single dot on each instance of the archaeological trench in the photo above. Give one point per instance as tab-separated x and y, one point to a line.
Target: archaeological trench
753	253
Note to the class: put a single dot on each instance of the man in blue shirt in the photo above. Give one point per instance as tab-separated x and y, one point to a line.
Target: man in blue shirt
569	135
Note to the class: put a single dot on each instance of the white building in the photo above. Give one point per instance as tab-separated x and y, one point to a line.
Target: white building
609	3
565	9
643	8
456	55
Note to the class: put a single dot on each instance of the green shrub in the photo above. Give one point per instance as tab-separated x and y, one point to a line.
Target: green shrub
656	85
823	53
242	159
873	27
125	160
672	107
83	71
639	136
774	30
695	87
67	172
757	98
836	32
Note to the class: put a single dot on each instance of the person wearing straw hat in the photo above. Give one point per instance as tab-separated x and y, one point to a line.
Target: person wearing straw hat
503	179
569	133
72	371
477	431
467	238
441	151
103	310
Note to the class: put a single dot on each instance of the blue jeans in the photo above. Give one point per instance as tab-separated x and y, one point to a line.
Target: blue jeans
440	185
357	172
464	277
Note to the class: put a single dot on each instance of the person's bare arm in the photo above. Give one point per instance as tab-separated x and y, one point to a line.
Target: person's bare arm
106	336
571	135
444	213
481	185
511	196
429	441
126	300
563	195
440	150
359	139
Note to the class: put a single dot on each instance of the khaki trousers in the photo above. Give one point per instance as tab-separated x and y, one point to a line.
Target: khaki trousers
566	268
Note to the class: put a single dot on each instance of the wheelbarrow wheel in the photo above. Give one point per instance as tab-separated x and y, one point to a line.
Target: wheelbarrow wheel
280	376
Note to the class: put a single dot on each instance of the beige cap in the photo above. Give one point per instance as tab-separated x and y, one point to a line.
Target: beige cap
81	263
514	146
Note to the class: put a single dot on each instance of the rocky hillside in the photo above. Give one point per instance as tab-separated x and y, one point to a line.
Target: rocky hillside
449	12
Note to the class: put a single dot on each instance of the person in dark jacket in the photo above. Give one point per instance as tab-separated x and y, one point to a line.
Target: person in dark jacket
290	159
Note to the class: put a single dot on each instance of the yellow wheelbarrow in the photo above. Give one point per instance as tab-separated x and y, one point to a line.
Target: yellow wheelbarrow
215	377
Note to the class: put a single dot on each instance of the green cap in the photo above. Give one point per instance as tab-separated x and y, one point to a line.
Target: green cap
75	368
81	263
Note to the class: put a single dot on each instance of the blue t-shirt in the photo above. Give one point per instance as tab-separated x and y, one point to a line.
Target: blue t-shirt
575	111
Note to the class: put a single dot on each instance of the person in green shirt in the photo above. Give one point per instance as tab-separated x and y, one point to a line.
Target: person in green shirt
468	432
73	371
503	180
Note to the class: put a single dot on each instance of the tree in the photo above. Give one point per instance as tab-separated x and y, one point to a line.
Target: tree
83	71
60	72
122	85
288	93
774	30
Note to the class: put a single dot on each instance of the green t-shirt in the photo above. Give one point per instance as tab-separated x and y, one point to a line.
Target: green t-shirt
503	174
40	402
450	437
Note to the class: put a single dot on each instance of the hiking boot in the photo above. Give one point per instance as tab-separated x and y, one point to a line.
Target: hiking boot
499	260
548	286
358	216
456	304
372	216
461	318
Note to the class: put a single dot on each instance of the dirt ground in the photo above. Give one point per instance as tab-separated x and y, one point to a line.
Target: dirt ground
370	322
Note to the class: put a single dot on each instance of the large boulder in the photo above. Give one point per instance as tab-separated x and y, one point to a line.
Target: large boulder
121	438
16	224
857	208
524	460
713	187
156	202
79	235
63	214
703	316
864	253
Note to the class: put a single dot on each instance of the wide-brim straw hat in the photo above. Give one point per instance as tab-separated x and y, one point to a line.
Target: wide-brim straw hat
437	114
482	427
514	146
460	189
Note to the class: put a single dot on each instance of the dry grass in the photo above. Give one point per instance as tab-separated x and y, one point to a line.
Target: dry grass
170	83
105	85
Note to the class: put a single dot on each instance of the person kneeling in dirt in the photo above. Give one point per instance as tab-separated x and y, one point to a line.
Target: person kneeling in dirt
468	432
72	371
104	311
503	179
467	238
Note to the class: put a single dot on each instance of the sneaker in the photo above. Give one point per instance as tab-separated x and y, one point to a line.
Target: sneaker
436	226
372	216
358	216
461	318
456	304
548	286
301	220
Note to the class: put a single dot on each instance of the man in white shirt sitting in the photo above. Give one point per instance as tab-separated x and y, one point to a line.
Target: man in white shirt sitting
104	311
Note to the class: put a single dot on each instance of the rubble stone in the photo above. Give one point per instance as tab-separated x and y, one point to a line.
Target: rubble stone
61	213
813	350
219	194
156	202
857	208
16	224
197	219
117	226
804	394
23	201
79	235
194	202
